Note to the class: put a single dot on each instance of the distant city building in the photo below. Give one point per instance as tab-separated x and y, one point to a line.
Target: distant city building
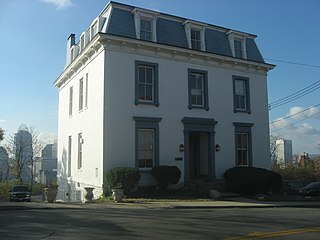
4	166
284	151
46	165
23	153
303	159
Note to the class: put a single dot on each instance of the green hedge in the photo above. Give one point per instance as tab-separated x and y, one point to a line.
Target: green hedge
122	177
251	180
166	175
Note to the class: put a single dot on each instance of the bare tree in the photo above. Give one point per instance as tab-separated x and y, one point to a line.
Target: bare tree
1	134
318	145
23	148
274	148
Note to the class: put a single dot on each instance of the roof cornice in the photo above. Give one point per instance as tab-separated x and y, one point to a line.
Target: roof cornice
207	56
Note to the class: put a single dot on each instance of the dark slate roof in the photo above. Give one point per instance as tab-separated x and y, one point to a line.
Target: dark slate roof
122	23
253	52
171	32
217	42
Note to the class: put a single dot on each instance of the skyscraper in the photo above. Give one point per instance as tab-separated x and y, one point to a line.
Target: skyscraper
284	151
23	155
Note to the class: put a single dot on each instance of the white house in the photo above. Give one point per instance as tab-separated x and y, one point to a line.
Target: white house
143	88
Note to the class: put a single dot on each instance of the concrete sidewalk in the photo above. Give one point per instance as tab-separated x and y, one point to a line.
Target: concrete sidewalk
234	202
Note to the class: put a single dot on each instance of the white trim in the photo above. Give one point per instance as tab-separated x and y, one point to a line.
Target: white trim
149	16
188	25
235	35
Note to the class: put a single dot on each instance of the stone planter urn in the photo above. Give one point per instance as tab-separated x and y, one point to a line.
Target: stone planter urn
117	194
50	194
88	195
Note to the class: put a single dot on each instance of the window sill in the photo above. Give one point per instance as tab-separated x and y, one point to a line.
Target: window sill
198	107
242	111
146	103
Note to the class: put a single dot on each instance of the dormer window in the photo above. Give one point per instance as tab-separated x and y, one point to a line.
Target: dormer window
94	29
237	41
238	48
146	29
195	33
82	42
195	39
146	24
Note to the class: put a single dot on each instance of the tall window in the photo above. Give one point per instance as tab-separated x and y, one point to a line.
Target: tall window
147	142
195	39
198	89
80	142
146	91
70	100
241	94
146	148
69	155
86	96
242	149
238	48
243	144
81	94
146	29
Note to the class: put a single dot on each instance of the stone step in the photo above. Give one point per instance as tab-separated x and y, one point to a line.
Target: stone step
206	185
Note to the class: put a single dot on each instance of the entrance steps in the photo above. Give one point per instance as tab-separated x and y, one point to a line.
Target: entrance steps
204	185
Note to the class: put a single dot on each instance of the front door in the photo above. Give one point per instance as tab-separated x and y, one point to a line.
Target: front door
194	155
199	152
198	155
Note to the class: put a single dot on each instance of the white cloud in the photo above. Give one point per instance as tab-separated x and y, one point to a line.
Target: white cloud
60	4
303	135
300	112
2	120
46	138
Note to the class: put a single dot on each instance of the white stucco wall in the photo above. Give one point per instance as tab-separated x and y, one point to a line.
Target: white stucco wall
108	127
173	98
89	122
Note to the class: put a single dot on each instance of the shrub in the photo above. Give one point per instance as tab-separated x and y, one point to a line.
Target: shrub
123	177
305	174
251	180
37	188
166	175
5	187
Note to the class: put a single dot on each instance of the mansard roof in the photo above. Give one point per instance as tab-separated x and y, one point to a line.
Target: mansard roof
122	22
170	30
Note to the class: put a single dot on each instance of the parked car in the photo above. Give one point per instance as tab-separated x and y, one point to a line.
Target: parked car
20	193
291	187
312	189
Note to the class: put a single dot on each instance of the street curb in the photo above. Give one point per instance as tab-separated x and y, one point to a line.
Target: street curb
88	207
249	206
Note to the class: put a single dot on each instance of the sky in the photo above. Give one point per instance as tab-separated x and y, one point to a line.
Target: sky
33	48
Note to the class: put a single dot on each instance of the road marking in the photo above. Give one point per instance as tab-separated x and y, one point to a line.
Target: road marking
260	235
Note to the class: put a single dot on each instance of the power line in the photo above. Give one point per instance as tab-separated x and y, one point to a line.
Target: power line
281	119
276	130
295	63
295	95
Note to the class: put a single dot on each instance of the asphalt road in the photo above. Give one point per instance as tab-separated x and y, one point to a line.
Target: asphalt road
107	223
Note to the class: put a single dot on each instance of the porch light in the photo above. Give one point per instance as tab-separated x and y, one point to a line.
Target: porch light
181	148
217	147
